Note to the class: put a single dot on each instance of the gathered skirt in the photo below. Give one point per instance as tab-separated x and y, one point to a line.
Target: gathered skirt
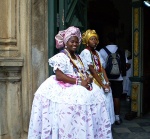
110	106
65	111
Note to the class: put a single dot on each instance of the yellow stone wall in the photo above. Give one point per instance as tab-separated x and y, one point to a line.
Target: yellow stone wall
23	62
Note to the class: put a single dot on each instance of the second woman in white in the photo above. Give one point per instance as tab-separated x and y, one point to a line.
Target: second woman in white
94	61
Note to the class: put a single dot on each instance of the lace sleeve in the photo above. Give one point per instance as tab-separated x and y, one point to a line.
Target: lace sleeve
59	61
86	57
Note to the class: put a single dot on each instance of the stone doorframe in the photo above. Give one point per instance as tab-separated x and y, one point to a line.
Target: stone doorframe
23	62
137	46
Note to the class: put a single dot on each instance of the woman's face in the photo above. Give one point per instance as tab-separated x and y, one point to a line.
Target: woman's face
93	41
72	44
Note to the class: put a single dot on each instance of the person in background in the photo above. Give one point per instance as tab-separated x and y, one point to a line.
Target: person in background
116	84
94	61
126	80
68	105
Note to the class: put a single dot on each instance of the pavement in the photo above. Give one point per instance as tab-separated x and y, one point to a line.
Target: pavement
137	128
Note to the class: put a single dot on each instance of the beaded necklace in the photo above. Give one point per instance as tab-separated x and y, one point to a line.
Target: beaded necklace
76	69
97	64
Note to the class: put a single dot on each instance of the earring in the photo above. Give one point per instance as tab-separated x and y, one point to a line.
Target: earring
65	46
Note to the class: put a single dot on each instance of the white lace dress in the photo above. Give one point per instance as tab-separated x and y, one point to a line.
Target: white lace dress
87	60
67	111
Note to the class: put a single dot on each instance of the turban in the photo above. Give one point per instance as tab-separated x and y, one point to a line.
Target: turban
88	34
63	36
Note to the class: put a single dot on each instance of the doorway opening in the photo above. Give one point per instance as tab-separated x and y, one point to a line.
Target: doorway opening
112	16
146	63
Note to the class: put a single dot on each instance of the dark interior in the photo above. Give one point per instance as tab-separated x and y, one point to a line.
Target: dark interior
116	15
111	15
146	59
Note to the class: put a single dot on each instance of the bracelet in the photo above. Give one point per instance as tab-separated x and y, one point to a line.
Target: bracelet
78	81
108	83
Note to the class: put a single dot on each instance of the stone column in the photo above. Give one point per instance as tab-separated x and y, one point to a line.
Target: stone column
11	64
34	50
136	90
10	98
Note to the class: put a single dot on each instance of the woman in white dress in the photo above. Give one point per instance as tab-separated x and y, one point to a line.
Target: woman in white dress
94	61
65	106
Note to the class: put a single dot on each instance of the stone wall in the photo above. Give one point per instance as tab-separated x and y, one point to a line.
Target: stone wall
23	62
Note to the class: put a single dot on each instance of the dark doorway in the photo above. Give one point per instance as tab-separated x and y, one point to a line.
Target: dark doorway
146	62
111	15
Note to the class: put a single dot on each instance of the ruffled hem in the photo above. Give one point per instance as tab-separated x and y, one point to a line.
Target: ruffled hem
70	94
56	121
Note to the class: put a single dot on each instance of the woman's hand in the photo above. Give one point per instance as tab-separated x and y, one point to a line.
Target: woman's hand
106	88
86	83
107	84
89	80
